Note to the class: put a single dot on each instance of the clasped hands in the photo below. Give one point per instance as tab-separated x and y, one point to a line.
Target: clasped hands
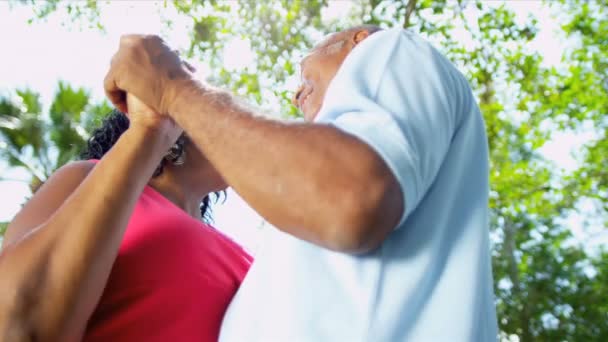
144	80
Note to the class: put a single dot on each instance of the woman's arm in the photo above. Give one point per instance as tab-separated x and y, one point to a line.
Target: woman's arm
60	248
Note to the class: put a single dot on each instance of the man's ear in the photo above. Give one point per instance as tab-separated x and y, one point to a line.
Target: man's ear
360	36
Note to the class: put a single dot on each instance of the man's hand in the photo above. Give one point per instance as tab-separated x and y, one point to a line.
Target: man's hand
147	68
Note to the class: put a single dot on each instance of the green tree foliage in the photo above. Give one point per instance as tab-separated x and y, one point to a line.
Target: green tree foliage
549	286
40	143
3	226
586	82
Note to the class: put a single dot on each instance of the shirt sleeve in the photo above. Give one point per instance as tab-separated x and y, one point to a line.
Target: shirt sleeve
403	98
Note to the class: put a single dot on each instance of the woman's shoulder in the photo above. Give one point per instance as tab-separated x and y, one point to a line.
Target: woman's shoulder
77	168
233	248
71	174
66	178
47	198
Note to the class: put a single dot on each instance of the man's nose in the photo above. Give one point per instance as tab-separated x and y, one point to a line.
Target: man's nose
296	96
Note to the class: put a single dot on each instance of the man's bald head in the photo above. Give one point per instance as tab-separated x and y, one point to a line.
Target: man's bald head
346	34
322	63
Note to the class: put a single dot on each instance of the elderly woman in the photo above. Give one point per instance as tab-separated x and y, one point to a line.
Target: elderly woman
114	248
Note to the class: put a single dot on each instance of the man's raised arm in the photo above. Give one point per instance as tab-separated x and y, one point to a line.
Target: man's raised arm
310	180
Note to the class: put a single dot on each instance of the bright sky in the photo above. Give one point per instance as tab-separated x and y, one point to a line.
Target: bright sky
38	55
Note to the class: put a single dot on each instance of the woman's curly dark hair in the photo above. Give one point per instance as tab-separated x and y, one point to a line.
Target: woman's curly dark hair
104	137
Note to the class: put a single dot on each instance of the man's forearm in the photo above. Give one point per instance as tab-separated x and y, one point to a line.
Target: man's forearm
313	181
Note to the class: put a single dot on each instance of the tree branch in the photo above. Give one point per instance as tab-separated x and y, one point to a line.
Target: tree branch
509	248
8	179
24	164
409	9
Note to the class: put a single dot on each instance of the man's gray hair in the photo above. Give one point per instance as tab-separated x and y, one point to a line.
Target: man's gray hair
371	29
331	46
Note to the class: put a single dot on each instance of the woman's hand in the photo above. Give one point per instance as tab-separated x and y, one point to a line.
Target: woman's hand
143	117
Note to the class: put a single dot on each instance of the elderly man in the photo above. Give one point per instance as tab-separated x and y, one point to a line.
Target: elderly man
379	199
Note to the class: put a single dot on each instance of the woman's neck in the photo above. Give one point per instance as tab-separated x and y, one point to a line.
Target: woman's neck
179	193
